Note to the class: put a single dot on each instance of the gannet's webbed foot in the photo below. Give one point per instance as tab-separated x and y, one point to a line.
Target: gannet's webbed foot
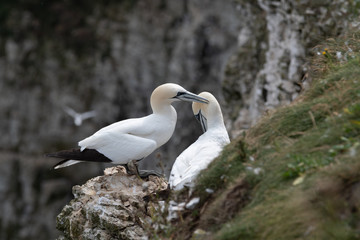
132	169
146	173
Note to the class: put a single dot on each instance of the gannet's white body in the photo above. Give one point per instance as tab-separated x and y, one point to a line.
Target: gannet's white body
132	139
207	147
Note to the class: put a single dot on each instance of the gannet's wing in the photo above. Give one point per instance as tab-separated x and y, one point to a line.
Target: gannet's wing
123	141
70	111
87	115
74	156
186	176
179	165
133	126
192	160
182	163
122	148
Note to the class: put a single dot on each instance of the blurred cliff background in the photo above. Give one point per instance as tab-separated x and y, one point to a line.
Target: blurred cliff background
108	57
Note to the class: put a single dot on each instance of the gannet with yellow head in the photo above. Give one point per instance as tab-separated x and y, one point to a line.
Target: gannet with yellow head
132	139
205	149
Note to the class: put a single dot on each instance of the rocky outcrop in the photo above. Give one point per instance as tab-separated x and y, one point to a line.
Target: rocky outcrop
112	206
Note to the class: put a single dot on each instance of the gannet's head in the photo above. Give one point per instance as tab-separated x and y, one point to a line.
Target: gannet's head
170	92
205	112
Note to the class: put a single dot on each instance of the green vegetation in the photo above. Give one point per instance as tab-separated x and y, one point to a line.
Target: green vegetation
307	183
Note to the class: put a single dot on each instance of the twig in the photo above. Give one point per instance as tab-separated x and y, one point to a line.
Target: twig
313	119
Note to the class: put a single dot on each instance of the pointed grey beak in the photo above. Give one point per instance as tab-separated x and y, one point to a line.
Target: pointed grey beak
190	97
202	120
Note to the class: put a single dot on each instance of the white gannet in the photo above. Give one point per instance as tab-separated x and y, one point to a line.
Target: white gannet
133	139
206	148
79	117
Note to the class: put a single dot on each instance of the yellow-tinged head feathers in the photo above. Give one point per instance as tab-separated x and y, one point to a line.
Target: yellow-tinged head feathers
208	114
213	105
165	94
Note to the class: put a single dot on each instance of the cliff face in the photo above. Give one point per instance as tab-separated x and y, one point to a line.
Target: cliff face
106	58
109	56
269	67
31	197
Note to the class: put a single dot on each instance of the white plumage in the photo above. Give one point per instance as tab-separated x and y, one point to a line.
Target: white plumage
79	117
207	147
132	139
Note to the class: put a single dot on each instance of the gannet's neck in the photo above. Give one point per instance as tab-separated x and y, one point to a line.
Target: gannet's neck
160	102
215	121
163	107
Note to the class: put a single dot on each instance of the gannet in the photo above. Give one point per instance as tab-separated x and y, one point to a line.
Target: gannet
205	149
132	139
79	117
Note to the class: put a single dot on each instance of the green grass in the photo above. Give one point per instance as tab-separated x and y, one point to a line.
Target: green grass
308	153
314	137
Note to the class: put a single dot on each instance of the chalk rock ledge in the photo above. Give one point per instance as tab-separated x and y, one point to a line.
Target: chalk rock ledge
111	206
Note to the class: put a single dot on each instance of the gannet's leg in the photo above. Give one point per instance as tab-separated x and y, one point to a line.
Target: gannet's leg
146	173
132	168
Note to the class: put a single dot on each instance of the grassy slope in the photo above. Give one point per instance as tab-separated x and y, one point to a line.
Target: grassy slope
308	152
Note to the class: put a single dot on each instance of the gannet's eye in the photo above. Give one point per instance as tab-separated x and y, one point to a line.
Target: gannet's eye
189	97
179	94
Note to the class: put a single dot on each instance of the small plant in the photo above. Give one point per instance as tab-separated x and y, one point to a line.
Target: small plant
353	112
304	163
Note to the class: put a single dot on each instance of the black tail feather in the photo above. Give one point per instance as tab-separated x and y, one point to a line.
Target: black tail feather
60	163
88	155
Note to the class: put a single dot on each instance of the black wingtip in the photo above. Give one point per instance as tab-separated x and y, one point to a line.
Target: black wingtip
57	154
88	155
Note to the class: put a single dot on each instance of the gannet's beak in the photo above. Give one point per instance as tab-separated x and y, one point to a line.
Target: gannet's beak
202	120
190	97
